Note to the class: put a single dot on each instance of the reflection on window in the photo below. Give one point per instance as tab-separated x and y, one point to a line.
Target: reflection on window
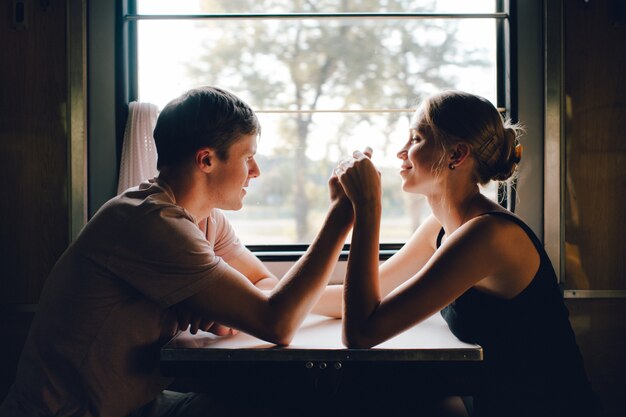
322	87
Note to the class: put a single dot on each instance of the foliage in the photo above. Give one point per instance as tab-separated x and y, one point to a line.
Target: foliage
307	65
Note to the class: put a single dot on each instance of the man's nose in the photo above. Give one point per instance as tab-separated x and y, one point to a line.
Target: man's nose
255	171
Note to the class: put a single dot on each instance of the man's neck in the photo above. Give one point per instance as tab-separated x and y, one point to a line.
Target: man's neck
186	192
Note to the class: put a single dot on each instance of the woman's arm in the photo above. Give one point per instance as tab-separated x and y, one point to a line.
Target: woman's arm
454	268
393	272
411	257
361	183
253	269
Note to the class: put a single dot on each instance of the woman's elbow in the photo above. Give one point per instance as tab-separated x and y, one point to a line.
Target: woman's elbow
355	340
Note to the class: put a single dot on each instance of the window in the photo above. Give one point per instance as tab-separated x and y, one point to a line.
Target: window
325	78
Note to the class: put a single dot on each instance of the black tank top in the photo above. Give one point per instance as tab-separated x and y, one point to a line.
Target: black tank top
532	364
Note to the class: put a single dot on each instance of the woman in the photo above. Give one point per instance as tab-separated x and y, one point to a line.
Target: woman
473	260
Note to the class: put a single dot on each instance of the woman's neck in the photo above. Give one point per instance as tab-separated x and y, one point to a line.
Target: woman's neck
454	208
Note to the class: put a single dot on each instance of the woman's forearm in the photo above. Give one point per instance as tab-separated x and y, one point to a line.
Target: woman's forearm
361	287
330	303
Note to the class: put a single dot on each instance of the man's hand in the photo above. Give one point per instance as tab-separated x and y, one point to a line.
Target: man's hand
221	330
359	178
339	198
187	319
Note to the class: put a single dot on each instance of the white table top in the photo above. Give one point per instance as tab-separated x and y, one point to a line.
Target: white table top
319	338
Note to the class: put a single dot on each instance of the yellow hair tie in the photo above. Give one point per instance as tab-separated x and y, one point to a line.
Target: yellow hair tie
519	149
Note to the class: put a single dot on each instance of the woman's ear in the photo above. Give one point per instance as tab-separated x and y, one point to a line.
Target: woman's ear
459	153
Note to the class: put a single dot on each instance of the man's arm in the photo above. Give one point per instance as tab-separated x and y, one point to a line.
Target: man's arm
231	298
246	263
393	272
253	269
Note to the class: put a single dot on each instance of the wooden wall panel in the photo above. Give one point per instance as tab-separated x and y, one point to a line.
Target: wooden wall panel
595	141
601	335
15	326
33	149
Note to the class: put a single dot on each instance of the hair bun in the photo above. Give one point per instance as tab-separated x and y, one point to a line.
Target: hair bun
517	154
511	155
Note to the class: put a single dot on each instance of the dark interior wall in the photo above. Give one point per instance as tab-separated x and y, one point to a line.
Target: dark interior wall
594	90
34	220
595	146
601	334
33	149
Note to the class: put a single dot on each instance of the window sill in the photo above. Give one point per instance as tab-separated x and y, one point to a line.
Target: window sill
291	254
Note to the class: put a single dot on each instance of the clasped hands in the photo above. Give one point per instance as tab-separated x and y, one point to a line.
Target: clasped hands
358	178
355	178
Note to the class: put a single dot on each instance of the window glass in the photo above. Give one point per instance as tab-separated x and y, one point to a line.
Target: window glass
181	7
321	88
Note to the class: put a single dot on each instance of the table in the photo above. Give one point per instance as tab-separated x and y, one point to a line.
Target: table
427	359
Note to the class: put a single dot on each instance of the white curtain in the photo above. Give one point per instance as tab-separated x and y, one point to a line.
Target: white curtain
139	155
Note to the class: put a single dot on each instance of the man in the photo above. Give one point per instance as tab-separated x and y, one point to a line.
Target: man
157	258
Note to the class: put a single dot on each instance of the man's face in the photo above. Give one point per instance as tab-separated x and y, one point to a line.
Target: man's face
232	175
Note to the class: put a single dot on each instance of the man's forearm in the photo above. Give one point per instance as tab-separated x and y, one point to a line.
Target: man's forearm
302	285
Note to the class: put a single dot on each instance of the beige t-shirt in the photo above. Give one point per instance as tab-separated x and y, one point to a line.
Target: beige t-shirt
93	348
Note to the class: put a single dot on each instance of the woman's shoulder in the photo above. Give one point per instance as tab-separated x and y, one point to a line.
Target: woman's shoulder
500	220
497	225
498	236
431	231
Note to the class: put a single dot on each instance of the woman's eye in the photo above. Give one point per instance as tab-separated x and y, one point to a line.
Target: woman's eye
413	136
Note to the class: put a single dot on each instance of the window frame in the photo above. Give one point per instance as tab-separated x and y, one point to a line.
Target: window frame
506	81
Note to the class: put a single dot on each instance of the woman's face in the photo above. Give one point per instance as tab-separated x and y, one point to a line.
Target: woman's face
420	156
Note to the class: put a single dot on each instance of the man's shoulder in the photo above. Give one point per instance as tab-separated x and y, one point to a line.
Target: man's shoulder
137	210
149	200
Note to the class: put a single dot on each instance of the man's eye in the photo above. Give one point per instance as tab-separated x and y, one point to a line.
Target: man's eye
414	140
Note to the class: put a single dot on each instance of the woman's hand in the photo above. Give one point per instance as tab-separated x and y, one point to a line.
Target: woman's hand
360	179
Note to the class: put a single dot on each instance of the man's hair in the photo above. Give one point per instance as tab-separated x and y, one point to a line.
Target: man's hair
202	117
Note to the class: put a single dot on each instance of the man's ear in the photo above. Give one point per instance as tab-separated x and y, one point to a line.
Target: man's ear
459	153
204	159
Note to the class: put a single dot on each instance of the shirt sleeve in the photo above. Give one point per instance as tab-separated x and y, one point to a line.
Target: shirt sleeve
165	256
226	244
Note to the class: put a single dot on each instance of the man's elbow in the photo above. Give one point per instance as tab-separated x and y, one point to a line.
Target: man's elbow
280	331
280	337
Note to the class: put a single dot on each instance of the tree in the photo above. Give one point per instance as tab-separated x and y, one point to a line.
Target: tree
304	65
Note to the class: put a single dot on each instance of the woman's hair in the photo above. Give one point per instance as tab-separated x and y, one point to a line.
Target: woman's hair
456	116
202	117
